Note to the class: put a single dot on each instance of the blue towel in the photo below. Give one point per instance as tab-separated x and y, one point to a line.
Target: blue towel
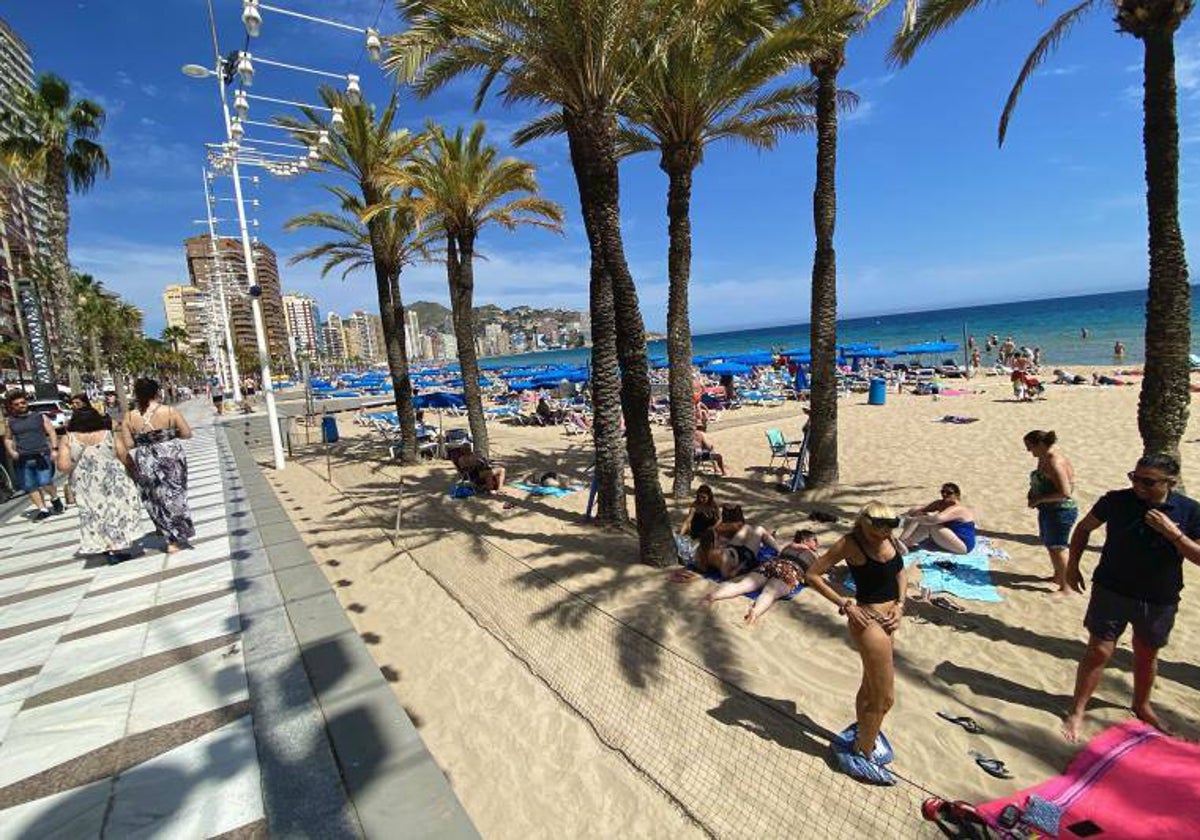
966	576
538	490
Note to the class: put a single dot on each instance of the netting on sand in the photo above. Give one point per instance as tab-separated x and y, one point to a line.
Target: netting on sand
735	763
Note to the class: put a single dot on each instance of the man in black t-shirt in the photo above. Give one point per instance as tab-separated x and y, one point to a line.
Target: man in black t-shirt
1149	531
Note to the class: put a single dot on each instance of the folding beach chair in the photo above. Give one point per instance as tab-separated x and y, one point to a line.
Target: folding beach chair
781	448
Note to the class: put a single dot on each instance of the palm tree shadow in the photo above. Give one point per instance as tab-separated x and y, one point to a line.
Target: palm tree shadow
775	720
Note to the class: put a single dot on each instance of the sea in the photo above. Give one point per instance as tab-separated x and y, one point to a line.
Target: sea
1054	324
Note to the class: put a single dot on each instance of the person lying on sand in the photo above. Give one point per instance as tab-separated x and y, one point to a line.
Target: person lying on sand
946	522
731	546
776	578
1101	379
1149	531
876	560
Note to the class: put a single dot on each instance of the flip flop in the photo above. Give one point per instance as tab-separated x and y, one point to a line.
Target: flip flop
992	766
966	722
883	752
860	767
942	602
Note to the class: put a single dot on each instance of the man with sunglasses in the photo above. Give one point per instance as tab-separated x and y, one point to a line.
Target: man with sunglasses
1149	531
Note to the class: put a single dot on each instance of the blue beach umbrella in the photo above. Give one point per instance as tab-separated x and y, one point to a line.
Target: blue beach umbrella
758	357
727	369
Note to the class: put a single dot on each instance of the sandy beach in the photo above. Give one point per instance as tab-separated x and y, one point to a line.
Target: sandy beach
568	691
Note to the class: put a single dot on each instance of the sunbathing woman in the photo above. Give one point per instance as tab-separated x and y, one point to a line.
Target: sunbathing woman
702	515
876	561
947	522
731	547
776	578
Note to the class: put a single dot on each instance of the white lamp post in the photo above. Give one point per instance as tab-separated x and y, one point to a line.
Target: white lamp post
218	277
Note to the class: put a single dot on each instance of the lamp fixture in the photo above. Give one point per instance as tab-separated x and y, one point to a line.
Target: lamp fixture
251	17
241	104
323	140
337	121
353	91
245	69
374	45
237	130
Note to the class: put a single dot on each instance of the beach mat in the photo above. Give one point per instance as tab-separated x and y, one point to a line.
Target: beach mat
1131	782
966	576
539	490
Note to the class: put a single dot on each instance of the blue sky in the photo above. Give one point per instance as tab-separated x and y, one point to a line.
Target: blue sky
931	213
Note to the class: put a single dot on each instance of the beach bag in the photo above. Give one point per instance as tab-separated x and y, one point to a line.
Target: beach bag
685	549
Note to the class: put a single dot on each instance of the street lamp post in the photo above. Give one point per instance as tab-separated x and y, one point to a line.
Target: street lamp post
217	278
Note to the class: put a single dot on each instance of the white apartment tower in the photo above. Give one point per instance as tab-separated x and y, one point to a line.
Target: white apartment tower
303	320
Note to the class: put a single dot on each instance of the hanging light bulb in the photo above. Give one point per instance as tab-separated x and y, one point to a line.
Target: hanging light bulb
374	45
245	69
353	91
241	105
237	130
323	140
337	120
313	154
251	17
303	164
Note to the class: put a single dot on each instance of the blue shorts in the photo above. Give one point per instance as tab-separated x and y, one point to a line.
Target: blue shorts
34	471
1054	525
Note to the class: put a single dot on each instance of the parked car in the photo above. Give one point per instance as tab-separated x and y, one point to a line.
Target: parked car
57	410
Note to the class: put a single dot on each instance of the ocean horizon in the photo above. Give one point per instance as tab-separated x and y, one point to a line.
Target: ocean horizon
1053	324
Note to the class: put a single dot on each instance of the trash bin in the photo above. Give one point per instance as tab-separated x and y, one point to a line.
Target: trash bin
878	393
329	429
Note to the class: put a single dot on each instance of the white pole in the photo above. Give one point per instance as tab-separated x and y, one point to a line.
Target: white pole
264	357
217	277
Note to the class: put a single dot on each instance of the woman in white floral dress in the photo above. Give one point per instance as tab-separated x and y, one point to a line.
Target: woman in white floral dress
110	507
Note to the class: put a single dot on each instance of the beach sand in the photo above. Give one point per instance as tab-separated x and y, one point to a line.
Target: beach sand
568	691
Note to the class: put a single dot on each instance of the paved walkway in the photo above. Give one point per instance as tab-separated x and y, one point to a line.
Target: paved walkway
178	696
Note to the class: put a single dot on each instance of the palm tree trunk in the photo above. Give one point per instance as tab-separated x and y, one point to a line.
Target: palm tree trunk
1163	405
391	316
58	221
823	433
460	255
609	473
599	187
679	164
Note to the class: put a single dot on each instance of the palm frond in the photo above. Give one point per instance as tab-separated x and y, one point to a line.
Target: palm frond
923	19
551	124
1045	45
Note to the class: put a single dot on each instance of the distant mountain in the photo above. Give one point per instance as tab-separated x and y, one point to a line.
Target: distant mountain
429	314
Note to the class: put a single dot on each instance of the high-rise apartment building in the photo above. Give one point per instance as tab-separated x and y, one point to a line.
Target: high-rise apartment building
188	307
335	338
22	204
364	337
221	264
302	318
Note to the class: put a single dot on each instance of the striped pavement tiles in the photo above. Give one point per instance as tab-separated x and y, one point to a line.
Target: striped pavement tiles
124	707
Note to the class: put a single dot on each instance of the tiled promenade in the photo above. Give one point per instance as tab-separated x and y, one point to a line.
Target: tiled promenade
214	692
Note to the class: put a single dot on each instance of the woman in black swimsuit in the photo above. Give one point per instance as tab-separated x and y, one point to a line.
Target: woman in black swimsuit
702	515
876	561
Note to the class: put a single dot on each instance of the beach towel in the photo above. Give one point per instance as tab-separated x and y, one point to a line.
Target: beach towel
966	576
539	490
1131	781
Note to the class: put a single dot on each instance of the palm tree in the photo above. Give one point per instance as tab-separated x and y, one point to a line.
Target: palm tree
463	187
362	150
56	135
395	231
579	59
831	24
706	86
1163	403
174	335
91	314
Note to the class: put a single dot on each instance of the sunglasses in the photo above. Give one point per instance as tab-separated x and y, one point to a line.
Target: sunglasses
1146	481
947	493
888	522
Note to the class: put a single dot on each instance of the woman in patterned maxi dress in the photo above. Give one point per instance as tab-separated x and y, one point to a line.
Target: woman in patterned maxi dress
110	507
152	433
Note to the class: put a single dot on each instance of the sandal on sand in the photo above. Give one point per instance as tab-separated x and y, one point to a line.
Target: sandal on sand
858	766
992	766
942	602
883	752
966	722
